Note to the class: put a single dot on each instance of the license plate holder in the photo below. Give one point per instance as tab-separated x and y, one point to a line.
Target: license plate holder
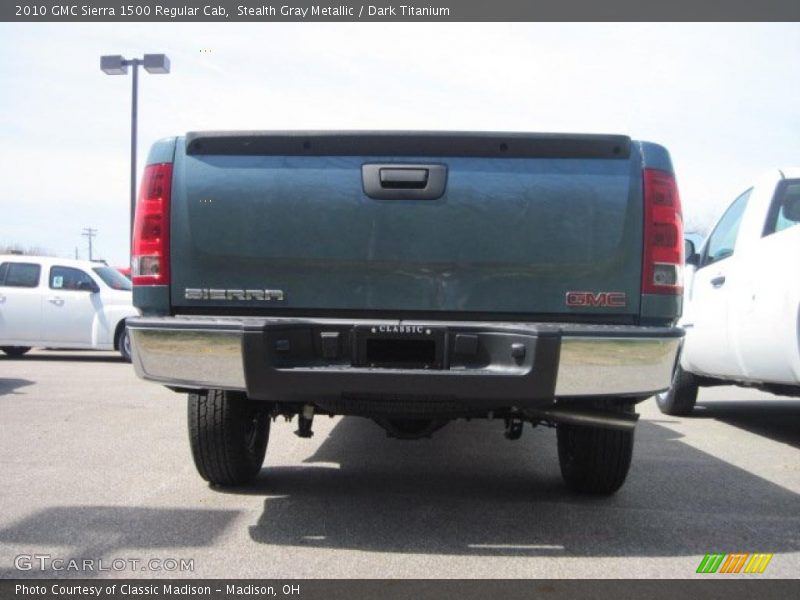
399	346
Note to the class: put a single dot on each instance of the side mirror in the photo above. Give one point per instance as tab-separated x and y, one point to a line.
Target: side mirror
692	257
88	286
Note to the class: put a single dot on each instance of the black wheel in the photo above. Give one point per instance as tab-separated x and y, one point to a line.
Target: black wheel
124	343
680	398
15	350
595	460
228	434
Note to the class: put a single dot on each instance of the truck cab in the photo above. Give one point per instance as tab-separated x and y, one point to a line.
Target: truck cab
743	297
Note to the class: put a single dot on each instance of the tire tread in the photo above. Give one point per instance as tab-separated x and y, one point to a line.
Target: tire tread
594	460
216	433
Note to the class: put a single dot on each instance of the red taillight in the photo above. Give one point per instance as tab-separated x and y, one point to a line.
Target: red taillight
662	271
150	255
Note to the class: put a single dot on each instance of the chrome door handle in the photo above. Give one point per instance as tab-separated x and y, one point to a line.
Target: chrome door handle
57	301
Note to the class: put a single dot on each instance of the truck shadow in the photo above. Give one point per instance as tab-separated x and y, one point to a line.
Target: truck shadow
468	491
10	385
91	532
67	356
776	419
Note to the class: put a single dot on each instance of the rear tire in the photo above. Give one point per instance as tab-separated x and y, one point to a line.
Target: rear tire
228	435
124	344
680	398
15	350
595	460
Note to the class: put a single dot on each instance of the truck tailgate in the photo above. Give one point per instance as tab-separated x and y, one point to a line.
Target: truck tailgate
520	221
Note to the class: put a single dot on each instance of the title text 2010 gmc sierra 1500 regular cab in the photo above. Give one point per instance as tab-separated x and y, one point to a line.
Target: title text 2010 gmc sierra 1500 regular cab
412	278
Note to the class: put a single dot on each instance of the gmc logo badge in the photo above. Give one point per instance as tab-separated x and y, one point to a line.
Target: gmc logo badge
604	299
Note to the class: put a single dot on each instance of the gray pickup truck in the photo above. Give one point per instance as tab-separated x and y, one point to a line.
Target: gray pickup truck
412	278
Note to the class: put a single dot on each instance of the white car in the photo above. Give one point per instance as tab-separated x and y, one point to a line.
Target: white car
742	298
62	303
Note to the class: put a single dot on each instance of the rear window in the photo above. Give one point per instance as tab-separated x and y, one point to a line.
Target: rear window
785	210
113	278
19	275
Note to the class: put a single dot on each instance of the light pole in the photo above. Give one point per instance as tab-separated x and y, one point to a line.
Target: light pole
117	65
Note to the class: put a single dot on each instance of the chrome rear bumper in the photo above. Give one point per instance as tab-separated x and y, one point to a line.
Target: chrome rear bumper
249	354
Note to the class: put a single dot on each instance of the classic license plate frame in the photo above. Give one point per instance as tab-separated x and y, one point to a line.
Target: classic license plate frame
400	347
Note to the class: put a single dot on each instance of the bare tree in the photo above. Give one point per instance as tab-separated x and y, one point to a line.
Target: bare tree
17	248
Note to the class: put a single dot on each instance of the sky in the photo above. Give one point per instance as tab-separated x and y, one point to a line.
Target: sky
723	98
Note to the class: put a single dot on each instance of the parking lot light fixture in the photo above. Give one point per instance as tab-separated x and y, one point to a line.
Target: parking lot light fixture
155	64
113	65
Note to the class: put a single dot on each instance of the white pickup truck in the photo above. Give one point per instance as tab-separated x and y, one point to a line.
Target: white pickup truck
742	299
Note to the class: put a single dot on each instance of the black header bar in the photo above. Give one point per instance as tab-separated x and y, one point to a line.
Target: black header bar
401	11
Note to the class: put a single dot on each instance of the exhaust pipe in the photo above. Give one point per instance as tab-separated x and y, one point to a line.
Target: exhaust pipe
594	418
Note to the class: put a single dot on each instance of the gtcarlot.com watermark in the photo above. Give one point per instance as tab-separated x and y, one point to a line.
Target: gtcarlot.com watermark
48	562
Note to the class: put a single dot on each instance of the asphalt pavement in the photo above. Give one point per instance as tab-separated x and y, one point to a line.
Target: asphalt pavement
96	466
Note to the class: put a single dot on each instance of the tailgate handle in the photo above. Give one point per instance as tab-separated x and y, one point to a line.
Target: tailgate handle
415	179
404	182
